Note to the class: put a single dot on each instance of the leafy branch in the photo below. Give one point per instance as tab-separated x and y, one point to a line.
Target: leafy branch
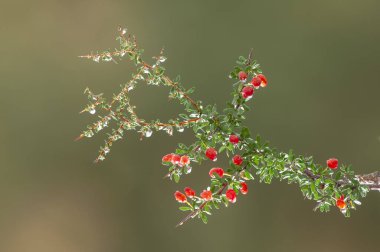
218	133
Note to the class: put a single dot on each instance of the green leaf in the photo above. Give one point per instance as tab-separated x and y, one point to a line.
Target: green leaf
248	175
176	178
245	133
185	208
203	217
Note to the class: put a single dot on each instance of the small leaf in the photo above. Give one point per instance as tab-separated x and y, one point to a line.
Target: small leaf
176	178
185	208
245	133
203	217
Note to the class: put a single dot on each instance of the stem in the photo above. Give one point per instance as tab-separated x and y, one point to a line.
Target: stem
196	212
372	180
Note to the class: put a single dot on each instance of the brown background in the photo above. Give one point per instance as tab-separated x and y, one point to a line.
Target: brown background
322	61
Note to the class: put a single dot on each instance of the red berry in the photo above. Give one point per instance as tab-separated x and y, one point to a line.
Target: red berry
206	195
167	158
180	197
176	159
231	195
263	79
234	139
185	160
340	202
244	188
189	192
216	170
256	81
332	163
237	160
243	76
247	92
211	154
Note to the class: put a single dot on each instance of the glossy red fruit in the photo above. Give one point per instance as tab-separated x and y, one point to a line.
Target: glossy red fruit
256	82
211	154
231	195
189	192
332	163
243	75
185	160
244	188
234	139
206	195
180	197
237	160
216	170
340	202
176	159
263	79
167	158
247	92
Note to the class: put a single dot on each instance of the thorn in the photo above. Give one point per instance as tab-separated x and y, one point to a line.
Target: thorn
79	137
250	57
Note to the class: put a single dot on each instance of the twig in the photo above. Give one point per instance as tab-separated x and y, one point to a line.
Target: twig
196	212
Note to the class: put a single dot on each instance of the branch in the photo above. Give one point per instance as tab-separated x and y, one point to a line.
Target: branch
372	180
215	133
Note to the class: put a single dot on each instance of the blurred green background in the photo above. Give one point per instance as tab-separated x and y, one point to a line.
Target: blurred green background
322	62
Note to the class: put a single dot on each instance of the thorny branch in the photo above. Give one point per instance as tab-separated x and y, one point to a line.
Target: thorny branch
212	129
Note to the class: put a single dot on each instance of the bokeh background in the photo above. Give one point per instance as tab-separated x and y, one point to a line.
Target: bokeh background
322	62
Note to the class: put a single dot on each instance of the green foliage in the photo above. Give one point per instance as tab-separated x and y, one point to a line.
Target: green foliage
212	129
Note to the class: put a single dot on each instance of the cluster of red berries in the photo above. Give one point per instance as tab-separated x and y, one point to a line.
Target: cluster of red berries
180	197
206	195
230	193
176	159
332	163
212	155
189	192
257	81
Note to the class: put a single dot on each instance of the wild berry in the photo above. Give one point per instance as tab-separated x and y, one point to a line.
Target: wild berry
256	81
234	139
211	154
176	159
243	76
189	192
216	170
243	188
237	160
231	195
247	92
180	197
185	160
167	158
206	195
263	79
340	202
332	163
